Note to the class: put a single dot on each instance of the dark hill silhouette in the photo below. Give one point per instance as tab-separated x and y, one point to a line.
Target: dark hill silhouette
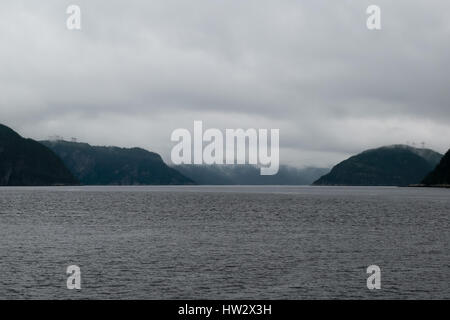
396	165
94	165
25	162
441	174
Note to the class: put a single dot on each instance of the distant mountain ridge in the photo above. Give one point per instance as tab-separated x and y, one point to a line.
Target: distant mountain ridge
396	165
99	165
25	162
249	175
440	176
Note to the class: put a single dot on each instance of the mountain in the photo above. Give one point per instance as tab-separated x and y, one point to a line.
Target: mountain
441	174
249	175
25	162
397	165
94	165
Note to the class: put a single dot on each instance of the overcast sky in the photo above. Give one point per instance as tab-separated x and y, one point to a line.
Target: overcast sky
140	69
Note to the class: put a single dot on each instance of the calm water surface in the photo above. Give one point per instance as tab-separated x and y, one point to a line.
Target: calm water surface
224	242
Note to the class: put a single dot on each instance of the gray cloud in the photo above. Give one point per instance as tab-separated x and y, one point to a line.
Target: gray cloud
139	69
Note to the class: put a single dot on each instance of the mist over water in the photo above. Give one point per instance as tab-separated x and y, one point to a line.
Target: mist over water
258	242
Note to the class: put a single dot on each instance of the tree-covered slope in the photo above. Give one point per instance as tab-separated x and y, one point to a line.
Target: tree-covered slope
94	165
441	174
25	162
396	165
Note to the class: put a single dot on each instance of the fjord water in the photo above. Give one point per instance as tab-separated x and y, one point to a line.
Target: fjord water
224	242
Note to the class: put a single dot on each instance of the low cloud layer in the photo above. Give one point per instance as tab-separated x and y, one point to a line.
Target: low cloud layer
140	69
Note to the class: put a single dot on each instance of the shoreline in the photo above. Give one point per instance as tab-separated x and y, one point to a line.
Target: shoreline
445	186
